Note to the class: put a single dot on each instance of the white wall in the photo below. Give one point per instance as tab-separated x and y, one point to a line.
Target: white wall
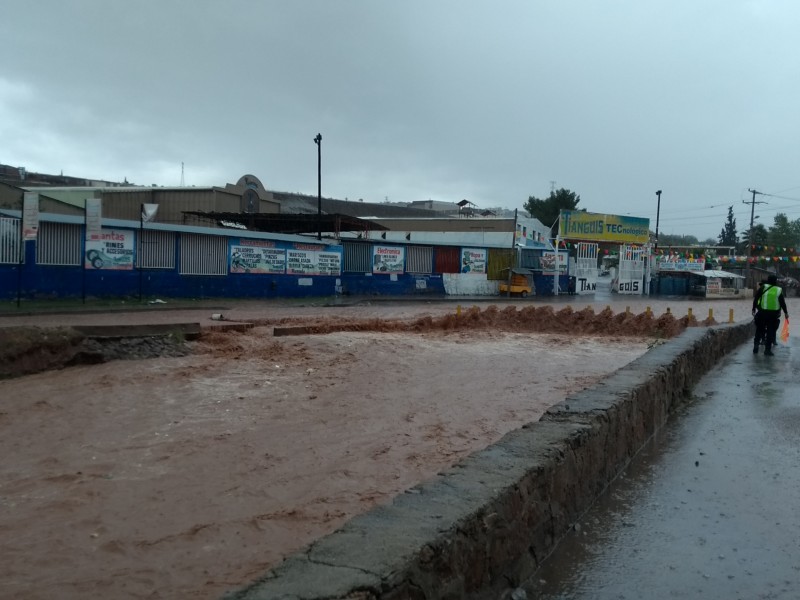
459	284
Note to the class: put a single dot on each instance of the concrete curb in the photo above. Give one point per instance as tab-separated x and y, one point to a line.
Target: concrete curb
190	331
482	527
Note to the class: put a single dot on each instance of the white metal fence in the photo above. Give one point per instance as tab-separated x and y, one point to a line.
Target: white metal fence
204	254
631	270
419	259
10	249
156	250
58	244
586	268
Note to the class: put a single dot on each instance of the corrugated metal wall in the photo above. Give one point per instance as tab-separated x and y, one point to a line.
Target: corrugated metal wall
498	263
9	240
529	259
156	250
171	203
419	259
448	259
58	244
204	254
357	258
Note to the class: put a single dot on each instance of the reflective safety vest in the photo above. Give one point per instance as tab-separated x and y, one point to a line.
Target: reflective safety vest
769	299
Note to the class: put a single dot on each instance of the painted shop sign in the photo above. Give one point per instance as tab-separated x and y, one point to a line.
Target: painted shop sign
547	262
110	249
682	265
268	257
312	262
388	259
473	261
579	225
257	256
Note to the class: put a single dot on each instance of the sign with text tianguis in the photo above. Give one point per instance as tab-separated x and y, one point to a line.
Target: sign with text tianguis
579	225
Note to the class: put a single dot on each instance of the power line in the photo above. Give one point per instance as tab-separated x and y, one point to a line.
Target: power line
781	197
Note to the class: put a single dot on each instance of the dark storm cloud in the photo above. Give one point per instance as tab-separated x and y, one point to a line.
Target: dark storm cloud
415	100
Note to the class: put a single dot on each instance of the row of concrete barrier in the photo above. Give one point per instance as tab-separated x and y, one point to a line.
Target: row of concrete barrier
484	526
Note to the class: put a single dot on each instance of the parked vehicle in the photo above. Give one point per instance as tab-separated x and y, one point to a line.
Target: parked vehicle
521	283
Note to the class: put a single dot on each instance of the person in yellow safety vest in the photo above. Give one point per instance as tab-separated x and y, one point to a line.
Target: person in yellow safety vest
767	306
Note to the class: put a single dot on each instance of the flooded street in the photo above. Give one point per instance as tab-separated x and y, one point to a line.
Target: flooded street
188	476
709	509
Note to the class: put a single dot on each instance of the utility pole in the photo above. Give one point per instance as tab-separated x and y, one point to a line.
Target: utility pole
318	142
658	214
750	235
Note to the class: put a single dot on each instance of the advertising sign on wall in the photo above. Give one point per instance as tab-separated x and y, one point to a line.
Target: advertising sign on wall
266	257
93	216
473	261
110	249
330	263
695	265
548	262
312	259
579	225
257	256
30	215
388	259
302	262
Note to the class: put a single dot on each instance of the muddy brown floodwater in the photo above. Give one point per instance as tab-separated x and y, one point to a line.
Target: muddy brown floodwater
187	477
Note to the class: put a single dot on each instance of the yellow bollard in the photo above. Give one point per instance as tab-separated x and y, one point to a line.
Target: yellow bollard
730	315
669	310
710	314
458	310
648	311
690	312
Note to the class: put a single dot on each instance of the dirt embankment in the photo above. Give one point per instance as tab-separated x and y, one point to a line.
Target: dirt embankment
25	350
529	319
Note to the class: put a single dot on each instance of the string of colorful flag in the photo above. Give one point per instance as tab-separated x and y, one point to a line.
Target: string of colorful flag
765	254
791	256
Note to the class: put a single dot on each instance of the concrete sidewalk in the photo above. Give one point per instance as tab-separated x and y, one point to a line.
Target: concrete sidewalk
710	508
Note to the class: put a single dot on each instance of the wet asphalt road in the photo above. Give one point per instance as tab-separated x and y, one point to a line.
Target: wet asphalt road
710	509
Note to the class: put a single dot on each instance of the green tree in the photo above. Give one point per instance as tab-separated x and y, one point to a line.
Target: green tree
665	240
547	210
759	239
728	235
783	233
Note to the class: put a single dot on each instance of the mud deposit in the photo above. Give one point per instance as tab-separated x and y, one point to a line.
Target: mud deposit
187	476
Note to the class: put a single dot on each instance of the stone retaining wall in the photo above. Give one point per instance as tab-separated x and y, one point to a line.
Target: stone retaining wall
482	527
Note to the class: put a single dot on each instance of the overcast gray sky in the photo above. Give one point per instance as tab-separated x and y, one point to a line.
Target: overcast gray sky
489	101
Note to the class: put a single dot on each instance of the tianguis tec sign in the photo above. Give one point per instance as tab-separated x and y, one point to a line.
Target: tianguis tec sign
579	225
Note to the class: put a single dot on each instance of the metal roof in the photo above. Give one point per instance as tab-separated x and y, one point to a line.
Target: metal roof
721	274
215	231
706	274
291	223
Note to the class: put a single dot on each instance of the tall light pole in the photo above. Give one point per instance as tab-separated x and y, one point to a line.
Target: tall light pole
318	142
658	214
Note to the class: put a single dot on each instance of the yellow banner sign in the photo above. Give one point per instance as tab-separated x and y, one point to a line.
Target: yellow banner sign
579	225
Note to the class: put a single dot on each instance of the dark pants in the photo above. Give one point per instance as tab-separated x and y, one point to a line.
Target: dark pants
767	323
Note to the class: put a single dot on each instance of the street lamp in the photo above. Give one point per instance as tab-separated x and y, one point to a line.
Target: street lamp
658	214
318	142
